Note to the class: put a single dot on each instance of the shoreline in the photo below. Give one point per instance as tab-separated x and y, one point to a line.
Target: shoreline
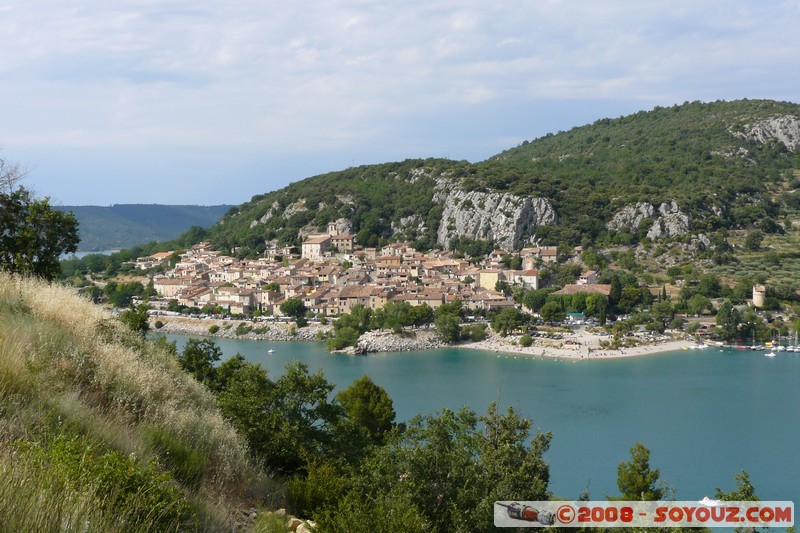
580	353
586	346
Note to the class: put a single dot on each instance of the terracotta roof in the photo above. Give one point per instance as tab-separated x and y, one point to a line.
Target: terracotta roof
605	290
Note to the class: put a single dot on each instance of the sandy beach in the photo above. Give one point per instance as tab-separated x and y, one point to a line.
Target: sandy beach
587	347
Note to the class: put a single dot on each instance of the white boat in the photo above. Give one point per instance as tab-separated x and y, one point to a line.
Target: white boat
769	354
781	348
270	351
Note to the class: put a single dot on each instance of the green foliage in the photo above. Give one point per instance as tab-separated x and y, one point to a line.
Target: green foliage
120	295
698	304
728	320
349	326
293	307
451	469
186	463
343	337
323	485
243	328
33	234
369	407
137	493
390	512
471	248
381	194
508	320
552	312
448	326
744	490
526	341
534	300
198	358
213	329
287	422
136	318
474	332
753	240
635	479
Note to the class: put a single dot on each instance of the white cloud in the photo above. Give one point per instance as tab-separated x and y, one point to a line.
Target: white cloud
316	77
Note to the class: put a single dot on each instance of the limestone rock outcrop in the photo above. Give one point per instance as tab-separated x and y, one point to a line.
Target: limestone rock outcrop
668	220
507	219
783	128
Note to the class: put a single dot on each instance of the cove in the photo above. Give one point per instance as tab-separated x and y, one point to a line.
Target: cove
704	415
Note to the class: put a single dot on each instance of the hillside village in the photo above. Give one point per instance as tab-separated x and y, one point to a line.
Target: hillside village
332	275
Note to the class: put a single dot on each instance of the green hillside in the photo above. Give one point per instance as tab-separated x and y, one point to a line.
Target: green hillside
125	225
726	165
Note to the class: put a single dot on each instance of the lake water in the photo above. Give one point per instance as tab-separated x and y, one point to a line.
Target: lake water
704	415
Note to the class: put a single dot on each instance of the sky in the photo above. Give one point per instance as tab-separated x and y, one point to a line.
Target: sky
208	102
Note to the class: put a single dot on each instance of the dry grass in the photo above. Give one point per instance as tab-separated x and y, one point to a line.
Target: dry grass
72	359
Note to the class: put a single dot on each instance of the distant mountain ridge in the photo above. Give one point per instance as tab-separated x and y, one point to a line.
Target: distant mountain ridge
124	225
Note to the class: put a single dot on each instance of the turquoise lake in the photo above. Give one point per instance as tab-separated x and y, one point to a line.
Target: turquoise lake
704	415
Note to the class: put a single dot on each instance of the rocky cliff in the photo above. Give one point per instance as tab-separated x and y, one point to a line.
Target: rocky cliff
667	221
782	128
507	219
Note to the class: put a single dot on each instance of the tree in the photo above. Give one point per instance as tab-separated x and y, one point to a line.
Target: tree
635	480
421	314
33	235
508	320
552	312
534	300
448	326
753	240
198	358
728	320
453	466
136	318
369	407
697	304
596	305
293	307
300	419
745	492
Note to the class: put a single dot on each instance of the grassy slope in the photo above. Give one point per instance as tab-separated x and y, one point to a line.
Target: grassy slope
72	377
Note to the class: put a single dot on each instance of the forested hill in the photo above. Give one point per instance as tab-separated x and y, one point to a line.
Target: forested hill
125	225
667	174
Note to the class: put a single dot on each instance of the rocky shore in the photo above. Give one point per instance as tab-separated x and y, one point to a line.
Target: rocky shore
261	331
408	341
583	346
586	346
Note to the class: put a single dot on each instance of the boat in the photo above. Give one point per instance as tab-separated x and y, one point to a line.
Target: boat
769	354
270	351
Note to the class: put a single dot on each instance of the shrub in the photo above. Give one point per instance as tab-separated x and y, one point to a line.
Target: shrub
323	486
525	341
243	329
213	329
159	324
474	332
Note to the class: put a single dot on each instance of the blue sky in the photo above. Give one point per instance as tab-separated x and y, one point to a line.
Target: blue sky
208	102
